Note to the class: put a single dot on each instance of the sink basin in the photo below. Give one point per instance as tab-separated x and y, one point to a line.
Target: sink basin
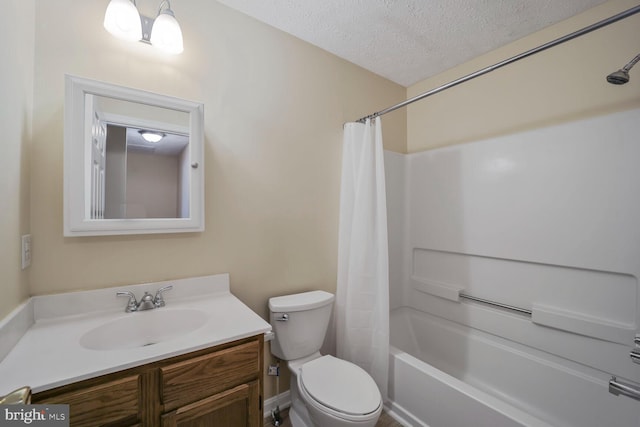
143	328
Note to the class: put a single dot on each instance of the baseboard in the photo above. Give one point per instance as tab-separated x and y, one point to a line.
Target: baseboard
283	400
402	416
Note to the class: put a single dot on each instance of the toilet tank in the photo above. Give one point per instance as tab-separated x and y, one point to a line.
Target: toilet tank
300	323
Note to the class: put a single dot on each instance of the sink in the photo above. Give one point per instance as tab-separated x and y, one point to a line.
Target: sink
144	328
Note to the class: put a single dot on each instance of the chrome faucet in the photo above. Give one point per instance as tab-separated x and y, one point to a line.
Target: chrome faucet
147	302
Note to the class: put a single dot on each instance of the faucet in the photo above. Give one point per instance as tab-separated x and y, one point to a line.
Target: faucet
147	302
21	396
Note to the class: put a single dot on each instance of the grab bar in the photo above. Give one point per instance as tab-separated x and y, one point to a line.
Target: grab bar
619	387
497	304
635	354
540	314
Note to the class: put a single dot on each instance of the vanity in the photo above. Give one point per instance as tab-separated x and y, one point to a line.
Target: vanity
196	361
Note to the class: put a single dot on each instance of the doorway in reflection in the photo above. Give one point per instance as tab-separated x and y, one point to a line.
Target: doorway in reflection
145	178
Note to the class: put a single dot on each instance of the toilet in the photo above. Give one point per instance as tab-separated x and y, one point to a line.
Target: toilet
325	391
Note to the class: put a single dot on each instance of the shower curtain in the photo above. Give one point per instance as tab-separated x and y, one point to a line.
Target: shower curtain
362	298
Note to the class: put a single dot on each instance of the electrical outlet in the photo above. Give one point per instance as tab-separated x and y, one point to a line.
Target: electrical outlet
273	370
26	251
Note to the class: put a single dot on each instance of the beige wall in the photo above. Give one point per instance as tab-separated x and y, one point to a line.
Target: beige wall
152	185
16	77
560	84
274	109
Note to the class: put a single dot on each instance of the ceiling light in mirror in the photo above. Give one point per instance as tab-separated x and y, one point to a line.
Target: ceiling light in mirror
151	136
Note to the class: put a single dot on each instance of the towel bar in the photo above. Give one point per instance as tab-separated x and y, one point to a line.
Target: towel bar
619	387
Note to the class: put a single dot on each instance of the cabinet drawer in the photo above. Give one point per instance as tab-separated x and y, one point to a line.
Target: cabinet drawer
194	379
102	404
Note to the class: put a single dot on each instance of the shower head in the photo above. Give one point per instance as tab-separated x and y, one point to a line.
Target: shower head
621	76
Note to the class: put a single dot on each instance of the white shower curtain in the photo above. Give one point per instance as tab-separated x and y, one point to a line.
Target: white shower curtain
362	300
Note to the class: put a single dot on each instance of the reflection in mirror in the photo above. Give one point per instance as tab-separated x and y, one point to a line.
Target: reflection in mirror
139	160
133	161
144	179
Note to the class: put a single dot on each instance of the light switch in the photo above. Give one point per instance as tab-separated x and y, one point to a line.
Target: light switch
26	251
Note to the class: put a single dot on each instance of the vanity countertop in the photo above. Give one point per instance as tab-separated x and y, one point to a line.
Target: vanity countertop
49	353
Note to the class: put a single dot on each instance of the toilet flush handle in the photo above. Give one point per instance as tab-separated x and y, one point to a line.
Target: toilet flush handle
282	317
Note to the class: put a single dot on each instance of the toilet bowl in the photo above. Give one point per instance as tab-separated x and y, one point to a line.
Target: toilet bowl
325	391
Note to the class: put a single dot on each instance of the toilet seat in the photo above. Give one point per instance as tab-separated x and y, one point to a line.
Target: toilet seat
339	387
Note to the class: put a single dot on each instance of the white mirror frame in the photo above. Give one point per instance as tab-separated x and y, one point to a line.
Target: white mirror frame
76	146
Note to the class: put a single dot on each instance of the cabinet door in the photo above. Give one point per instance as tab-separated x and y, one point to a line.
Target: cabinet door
112	403
236	407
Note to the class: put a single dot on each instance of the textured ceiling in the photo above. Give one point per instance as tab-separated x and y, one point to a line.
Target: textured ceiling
409	40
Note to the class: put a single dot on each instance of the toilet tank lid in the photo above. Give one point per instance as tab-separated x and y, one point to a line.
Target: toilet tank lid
299	302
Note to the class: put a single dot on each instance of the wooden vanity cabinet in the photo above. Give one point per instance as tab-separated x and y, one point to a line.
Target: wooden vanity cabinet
220	386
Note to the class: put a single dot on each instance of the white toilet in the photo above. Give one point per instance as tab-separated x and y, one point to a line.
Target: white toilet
325	391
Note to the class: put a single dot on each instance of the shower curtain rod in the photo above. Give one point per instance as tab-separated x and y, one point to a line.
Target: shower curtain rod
501	64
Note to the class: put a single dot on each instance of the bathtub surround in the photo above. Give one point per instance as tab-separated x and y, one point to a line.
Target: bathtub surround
545	220
362	297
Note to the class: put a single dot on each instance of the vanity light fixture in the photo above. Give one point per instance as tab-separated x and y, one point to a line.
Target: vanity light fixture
151	136
123	20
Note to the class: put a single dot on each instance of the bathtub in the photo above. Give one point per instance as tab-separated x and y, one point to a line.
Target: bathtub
422	395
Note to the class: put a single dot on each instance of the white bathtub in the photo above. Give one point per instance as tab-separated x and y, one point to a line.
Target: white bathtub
421	395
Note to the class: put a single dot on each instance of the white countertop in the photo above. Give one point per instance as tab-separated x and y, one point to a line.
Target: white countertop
49	354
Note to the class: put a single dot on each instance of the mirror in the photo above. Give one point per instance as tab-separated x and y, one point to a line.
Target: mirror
133	161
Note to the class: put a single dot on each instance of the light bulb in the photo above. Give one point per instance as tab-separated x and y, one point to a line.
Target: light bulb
150	136
166	33
123	20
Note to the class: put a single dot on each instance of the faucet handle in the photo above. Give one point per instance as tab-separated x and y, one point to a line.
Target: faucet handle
132	305
158	300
